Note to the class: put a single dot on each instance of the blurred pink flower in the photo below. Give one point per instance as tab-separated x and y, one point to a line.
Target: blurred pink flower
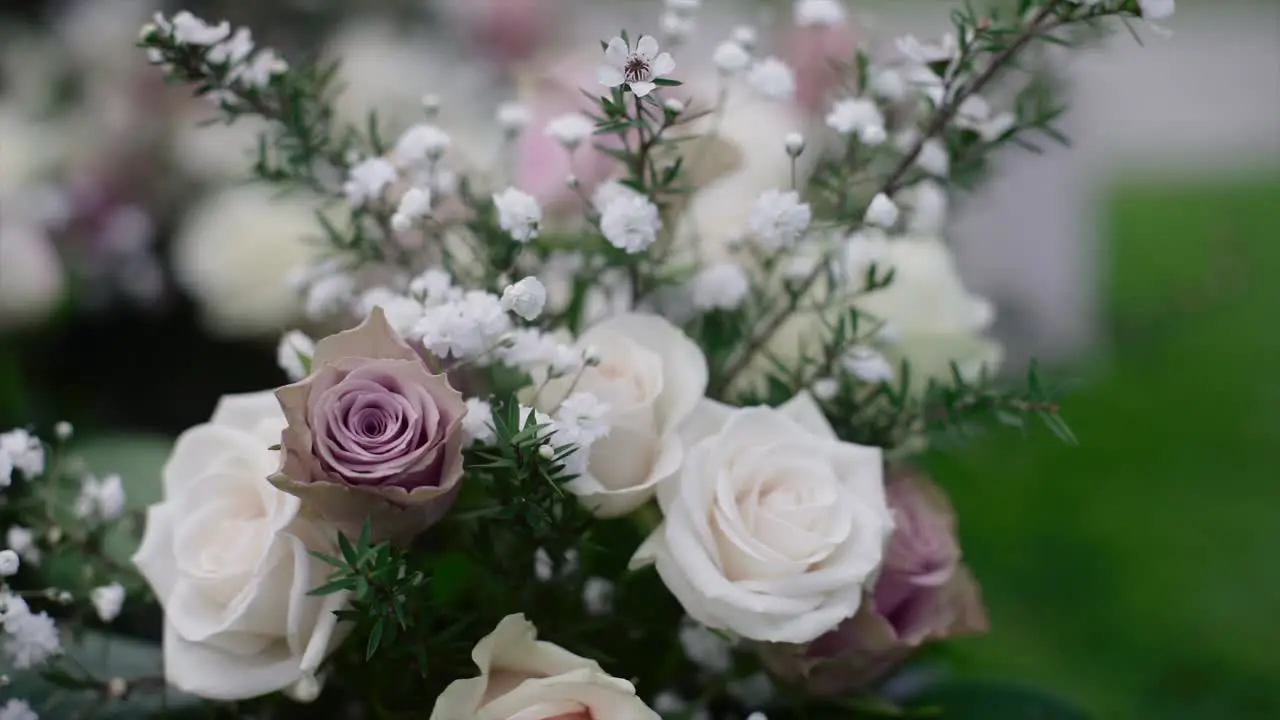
510	31
815	54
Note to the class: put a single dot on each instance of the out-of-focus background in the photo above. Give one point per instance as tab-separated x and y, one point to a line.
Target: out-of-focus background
1136	573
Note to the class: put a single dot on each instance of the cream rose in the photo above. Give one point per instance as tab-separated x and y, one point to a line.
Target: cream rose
524	679
773	527
931	319
236	251
227	556
652	377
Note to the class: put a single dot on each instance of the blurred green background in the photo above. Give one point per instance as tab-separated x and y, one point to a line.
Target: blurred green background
1136	573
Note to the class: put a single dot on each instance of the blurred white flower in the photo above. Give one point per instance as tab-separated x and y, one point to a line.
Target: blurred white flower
518	214
772	79
570	129
858	115
235	254
882	212
477	424
867	364
31	275
107	601
525	298
722	286
819	13
778	219
294	353
730	58
630	222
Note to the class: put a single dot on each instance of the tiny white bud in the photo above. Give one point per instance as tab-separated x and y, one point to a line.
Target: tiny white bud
546	452
117	687
63	431
882	212
745	35
591	355
4	680
306	689
825	388
9	563
794	144
64	597
401	222
54	536
147	32
675	106
431	104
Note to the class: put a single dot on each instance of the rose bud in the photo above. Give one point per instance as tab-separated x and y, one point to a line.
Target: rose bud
924	594
372	435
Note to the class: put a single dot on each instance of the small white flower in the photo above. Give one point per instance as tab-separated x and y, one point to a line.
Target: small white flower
293	354
858	115
746	36
882	212
24	451
772	79
514	117
565	360
597	596
570	129
630	222
934	158
1156	9
794	143
943	50
819	13
675	106
367	179
259	71
583	418
867	365
17	709
477	424
464	328
403	313
108	601
705	648
329	294
9	563
731	58
434	286
722	286
543	568
526	348
233	50
63	430
414	205
526	298
778	219
825	388
100	499
887	83
421	143
637	69
191	30
518	214
23	541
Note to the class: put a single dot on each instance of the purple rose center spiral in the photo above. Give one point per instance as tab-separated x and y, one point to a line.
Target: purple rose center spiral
375	426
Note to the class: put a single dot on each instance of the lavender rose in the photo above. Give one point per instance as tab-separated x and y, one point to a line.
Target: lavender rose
372	435
923	594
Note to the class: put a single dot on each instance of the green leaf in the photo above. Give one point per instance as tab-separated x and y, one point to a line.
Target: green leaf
375	637
348	552
992	701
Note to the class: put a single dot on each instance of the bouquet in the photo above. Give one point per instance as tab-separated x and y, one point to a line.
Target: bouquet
609	446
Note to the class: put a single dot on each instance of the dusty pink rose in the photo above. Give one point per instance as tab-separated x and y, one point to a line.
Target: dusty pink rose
372	435
816	54
924	594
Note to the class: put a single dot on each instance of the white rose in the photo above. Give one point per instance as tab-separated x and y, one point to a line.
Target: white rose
31	279
652	376
524	679
227	556
774	527
932	319
235	254
929	318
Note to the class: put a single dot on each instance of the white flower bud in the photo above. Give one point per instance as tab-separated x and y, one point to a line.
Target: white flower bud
825	388
63	431
731	58
9	563
117	687
745	35
882	212
546	452
794	144
675	106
